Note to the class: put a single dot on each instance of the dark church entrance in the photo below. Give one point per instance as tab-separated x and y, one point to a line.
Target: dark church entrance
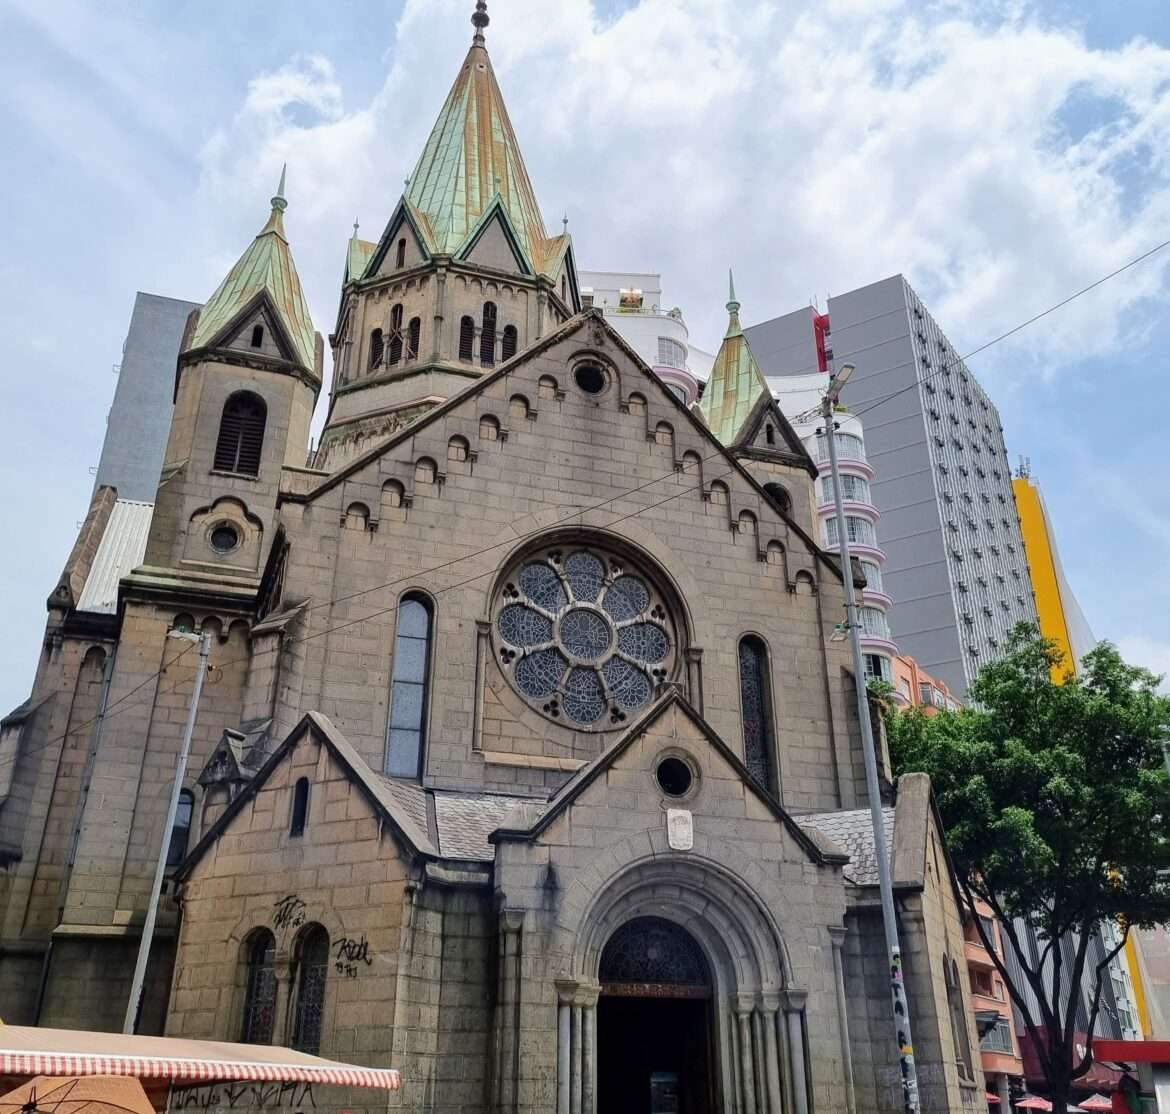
654	1032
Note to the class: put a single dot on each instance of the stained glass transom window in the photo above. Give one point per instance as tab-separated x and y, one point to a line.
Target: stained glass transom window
654	950
582	637
756	710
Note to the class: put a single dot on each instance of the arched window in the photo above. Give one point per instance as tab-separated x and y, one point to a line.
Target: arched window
300	808
259	989
400	258
377	346
395	335
564	290
508	346
406	731
257	335
181	828
756	710
312	968
779	495
487	336
769	434
489	428
466	339
412	338
241	434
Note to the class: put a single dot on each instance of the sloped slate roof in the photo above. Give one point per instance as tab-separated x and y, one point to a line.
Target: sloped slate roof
852	831
357	256
122	548
265	267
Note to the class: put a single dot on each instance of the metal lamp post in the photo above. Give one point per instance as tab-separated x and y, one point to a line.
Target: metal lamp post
897	985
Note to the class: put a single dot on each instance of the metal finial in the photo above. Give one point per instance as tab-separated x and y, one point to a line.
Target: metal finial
278	202
565	221
480	19
730	288
355	227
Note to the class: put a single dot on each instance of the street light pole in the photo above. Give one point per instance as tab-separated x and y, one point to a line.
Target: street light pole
131	1021
897	985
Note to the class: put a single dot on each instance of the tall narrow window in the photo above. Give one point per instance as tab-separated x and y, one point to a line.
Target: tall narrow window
487	336
300	808
257	336
241	434
260	989
395	335
508	344
755	703
466	339
412	338
312	968
400	258
377	347
181	828
406	733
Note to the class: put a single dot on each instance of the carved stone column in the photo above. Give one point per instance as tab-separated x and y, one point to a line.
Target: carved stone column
794	1015
439	341
747	1077
576	1046
769	1013
511	924
837	936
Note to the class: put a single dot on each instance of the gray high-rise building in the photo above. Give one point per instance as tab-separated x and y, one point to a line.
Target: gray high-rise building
955	563
140	415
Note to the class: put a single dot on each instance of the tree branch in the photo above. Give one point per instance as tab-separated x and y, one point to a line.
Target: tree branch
1087	1059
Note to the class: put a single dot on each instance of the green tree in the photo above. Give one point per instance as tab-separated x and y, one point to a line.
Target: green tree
1055	800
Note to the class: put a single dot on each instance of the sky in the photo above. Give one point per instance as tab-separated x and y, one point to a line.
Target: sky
1000	153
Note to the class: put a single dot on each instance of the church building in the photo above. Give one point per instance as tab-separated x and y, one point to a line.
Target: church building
526	762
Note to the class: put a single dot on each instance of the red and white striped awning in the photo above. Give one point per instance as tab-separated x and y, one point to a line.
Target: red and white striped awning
184	1063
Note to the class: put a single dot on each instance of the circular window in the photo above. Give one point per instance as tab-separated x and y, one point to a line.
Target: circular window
224	538
582	637
674	776
590	378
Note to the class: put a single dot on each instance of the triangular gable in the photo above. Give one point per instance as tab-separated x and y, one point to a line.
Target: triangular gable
258	310
404	215
587	775
596	319
493	240
785	441
381	799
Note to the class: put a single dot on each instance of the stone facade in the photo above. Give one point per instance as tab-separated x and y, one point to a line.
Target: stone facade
523	663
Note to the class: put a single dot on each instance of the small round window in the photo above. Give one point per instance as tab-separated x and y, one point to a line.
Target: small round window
224	538
674	777
590	378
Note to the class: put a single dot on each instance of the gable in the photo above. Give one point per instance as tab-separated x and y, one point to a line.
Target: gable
492	246
638	775
402	225
239	333
768	431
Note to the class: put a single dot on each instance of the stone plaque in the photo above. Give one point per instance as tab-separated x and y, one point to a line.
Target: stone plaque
680	829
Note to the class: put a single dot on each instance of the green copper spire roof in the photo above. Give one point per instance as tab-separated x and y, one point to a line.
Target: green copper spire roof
265	267
736	383
471	156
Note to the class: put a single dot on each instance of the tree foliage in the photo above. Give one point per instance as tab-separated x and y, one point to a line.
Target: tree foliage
1055	799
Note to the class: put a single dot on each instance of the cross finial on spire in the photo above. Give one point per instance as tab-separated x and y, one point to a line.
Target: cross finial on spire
480	19
278	202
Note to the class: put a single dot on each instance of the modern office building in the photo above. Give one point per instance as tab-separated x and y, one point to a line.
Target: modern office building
955	560
632	304
140	415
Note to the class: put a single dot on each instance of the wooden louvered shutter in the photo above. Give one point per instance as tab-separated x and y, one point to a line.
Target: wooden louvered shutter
241	435
467	339
508	346
413	338
487	338
395	335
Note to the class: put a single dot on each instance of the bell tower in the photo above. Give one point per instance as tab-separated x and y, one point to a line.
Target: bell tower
464	276
248	375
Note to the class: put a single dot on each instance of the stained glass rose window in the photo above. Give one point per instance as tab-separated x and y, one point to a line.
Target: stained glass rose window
583	637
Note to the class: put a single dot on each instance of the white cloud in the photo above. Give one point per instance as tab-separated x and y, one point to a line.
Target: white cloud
814	146
1154	654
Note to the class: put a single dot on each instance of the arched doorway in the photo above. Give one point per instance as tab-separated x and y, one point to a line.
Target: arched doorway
654	1024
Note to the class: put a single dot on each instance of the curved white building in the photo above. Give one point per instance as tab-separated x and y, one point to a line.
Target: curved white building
799	397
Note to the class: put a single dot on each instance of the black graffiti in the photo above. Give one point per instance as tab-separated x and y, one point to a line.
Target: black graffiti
355	950
290	912
247	1096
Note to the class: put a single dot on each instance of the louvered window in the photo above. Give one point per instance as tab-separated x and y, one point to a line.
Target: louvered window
241	434
508	345
467	339
401	257
395	335
487	338
377	347
413	338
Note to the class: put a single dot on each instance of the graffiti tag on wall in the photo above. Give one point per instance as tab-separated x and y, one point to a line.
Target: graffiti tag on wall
296	1097
350	952
290	912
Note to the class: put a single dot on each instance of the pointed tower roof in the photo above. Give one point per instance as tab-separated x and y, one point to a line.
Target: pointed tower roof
265	268
736	383
470	157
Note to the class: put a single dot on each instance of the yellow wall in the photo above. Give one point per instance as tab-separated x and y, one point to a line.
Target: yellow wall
1038	550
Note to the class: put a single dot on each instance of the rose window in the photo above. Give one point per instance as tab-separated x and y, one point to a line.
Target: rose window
582	637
